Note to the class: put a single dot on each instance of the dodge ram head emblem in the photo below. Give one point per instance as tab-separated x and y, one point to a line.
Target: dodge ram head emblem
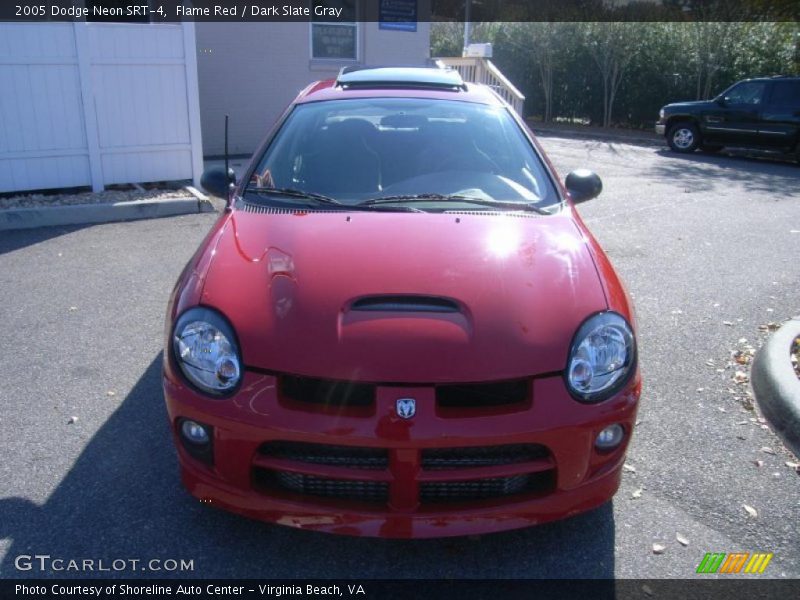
406	407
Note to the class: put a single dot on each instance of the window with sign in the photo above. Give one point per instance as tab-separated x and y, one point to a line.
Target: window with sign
334	30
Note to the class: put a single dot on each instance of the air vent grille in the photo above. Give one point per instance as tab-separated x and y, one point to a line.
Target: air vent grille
431	304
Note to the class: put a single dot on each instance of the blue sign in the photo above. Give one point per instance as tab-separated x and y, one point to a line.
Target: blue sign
398	15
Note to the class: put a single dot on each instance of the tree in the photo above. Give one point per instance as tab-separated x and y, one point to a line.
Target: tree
612	46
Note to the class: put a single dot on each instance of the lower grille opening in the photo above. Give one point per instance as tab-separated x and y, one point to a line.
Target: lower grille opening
481	456
326	392
482	489
346	489
478	395
323	454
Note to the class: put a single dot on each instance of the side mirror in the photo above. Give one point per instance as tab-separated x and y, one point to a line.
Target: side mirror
583	185
217	182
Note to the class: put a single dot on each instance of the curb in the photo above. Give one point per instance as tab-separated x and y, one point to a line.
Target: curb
537	131
776	385
80	214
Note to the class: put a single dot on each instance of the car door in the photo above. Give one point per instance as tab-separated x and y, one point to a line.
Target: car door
734	118
780	120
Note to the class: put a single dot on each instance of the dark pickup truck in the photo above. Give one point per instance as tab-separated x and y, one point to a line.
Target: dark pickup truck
759	113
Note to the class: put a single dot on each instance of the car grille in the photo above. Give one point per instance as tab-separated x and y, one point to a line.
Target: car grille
364	474
481	456
479	489
480	395
322	454
325	393
369	491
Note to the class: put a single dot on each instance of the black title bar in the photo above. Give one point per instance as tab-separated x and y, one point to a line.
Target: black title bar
170	11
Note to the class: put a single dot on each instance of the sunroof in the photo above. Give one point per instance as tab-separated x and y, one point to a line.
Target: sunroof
403	77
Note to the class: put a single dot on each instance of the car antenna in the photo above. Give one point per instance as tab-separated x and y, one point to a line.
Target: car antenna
227	168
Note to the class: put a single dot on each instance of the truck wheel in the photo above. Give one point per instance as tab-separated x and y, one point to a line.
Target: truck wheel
683	137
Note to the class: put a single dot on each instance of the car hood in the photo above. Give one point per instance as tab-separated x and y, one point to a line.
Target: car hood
518	287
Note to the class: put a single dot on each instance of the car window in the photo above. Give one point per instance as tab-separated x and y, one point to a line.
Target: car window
364	148
749	92
785	93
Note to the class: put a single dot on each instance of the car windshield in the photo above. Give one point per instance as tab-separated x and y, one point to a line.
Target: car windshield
378	152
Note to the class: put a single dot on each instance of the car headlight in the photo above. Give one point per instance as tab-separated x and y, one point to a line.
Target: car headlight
601	358
205	348
661	114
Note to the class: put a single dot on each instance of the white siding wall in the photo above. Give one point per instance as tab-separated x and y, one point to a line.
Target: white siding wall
96	104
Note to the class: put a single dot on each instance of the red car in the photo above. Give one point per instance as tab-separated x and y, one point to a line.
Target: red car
400	326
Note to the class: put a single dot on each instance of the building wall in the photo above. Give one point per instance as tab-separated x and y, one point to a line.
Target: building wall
251	71
97	104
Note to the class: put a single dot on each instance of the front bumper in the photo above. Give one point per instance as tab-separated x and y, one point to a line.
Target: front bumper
660	128
580	478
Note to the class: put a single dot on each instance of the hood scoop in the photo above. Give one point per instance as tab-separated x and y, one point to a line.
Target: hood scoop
405	303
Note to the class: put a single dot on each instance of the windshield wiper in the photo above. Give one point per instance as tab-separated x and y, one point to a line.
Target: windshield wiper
401	198
315	198
293	193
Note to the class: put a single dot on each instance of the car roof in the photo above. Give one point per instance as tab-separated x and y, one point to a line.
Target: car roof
398	82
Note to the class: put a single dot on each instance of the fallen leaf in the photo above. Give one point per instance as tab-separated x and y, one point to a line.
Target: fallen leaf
659	548
768	450
728	323
636	494
647	590
750	510
629	468
73	308
792	465
758	463
710	362
740	377
72	420
682	540
111	393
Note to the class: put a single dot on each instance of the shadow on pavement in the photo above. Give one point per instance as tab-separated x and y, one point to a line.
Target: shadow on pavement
122	499
16	239
767	173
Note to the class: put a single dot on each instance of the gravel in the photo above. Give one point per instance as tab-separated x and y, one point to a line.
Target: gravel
109	196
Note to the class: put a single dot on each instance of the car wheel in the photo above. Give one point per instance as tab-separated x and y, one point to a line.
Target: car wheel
710	149
683	137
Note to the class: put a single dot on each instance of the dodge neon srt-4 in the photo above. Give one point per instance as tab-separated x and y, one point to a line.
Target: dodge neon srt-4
400	326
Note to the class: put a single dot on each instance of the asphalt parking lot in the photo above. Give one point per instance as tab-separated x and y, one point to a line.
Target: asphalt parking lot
708	247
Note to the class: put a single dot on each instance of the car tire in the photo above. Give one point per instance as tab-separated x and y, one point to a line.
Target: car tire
710	149
683	137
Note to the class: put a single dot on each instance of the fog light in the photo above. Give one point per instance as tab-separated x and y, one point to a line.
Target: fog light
610	437
195	432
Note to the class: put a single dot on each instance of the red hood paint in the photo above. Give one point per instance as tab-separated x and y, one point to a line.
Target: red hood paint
286	282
